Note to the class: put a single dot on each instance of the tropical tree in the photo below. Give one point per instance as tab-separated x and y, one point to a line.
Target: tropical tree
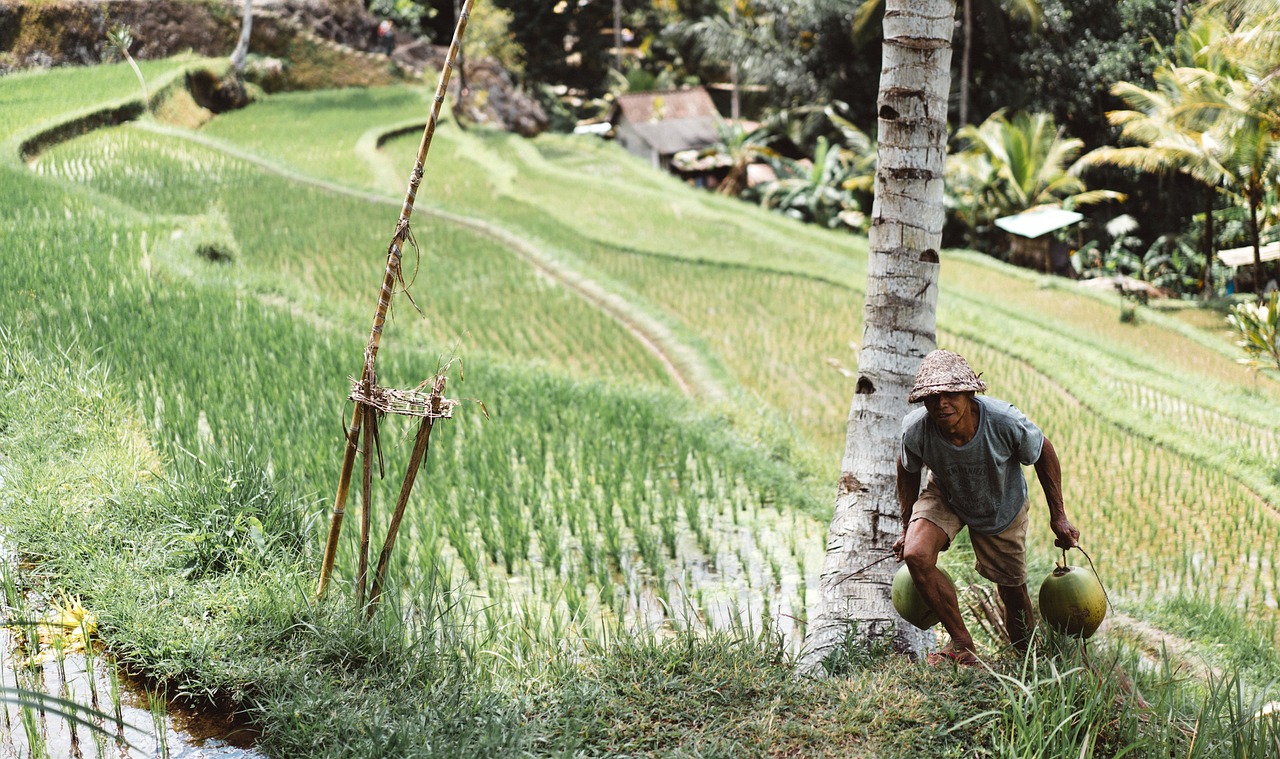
739	148
120	38
1009	165
641	79
835	187
1238	105
861	150
812	190
1166	264
241	52
1258	327
778	44
1165	140
562	42
899	326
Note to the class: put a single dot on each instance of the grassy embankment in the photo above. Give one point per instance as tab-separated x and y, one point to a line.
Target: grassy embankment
214	358
1131	405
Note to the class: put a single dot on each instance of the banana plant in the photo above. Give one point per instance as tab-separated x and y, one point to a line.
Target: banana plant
814	190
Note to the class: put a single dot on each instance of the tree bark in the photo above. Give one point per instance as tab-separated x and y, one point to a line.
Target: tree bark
242	47
1207	290
966	57
899	329
1255	200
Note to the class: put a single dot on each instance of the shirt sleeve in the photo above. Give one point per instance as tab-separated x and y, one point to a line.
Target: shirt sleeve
1029	439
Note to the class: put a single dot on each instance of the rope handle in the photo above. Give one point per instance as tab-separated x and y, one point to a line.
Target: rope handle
1093	569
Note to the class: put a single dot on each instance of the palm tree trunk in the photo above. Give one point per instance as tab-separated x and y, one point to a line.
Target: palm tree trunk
242	46
1255	199
900	321
735	102
966	56
1207	290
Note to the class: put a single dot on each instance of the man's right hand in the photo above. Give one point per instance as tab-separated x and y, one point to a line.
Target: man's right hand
899	545
1067	535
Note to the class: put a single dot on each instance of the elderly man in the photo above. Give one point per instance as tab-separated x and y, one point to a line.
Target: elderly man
974	448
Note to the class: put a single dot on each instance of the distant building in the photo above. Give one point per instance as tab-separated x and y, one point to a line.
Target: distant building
1241	262
1031	245
657	125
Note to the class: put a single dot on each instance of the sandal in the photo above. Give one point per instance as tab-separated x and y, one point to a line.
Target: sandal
960	658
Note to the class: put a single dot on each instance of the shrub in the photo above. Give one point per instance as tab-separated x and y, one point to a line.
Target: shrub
1258	325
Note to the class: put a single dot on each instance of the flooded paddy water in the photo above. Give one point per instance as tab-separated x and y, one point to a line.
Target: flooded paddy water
62	697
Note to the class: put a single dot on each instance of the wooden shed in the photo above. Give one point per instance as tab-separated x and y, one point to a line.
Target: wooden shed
657	125
1030	243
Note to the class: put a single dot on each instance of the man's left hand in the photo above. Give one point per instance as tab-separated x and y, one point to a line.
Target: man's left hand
1068	536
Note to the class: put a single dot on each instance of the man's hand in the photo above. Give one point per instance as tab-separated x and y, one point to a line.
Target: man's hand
899	545
1068	536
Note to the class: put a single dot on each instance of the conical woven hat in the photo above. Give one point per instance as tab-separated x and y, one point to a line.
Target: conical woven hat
944	372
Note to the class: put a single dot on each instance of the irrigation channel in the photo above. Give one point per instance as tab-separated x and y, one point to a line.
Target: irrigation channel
50	666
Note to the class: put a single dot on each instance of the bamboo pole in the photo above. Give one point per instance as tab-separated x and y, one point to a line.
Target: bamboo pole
394	254
366	501
415	461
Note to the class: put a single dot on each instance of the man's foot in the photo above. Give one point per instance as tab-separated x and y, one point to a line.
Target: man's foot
958	656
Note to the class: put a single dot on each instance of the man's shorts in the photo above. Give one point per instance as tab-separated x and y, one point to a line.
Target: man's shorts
1001	558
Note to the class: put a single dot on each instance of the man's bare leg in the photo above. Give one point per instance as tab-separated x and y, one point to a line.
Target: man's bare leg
1019	620
925	540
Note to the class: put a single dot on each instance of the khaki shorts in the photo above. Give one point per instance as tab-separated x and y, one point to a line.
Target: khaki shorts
1001	558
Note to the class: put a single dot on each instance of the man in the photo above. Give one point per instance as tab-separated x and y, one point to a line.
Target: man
974	448
387	36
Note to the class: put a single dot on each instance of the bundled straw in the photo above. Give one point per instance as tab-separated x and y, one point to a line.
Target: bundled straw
401	402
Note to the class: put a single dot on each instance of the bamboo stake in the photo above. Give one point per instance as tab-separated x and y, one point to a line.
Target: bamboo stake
366	499
392	274
415	461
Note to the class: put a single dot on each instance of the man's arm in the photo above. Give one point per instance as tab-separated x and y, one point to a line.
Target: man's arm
908	488
1049	471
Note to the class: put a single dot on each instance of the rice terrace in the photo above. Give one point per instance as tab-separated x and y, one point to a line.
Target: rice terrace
627	398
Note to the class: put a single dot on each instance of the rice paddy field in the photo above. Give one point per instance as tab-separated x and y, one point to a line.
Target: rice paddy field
655	380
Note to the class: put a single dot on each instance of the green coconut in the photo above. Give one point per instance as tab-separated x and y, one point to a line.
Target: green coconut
910	605
1072	601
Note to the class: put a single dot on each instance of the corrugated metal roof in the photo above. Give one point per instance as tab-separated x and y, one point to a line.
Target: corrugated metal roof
1244	256
671	136
638	107
1036	222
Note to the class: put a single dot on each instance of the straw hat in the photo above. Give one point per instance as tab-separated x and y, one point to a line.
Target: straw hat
944	372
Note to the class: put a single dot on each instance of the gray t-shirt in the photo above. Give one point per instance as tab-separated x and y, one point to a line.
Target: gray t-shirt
981	479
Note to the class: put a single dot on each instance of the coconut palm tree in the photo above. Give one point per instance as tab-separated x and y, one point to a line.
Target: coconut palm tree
900	320
241	52
1241	104
1165	140
1251	132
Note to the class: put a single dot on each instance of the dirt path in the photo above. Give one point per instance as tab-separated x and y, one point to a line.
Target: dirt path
1157	644
686	367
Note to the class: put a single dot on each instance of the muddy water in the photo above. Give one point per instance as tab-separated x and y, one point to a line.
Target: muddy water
115	718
